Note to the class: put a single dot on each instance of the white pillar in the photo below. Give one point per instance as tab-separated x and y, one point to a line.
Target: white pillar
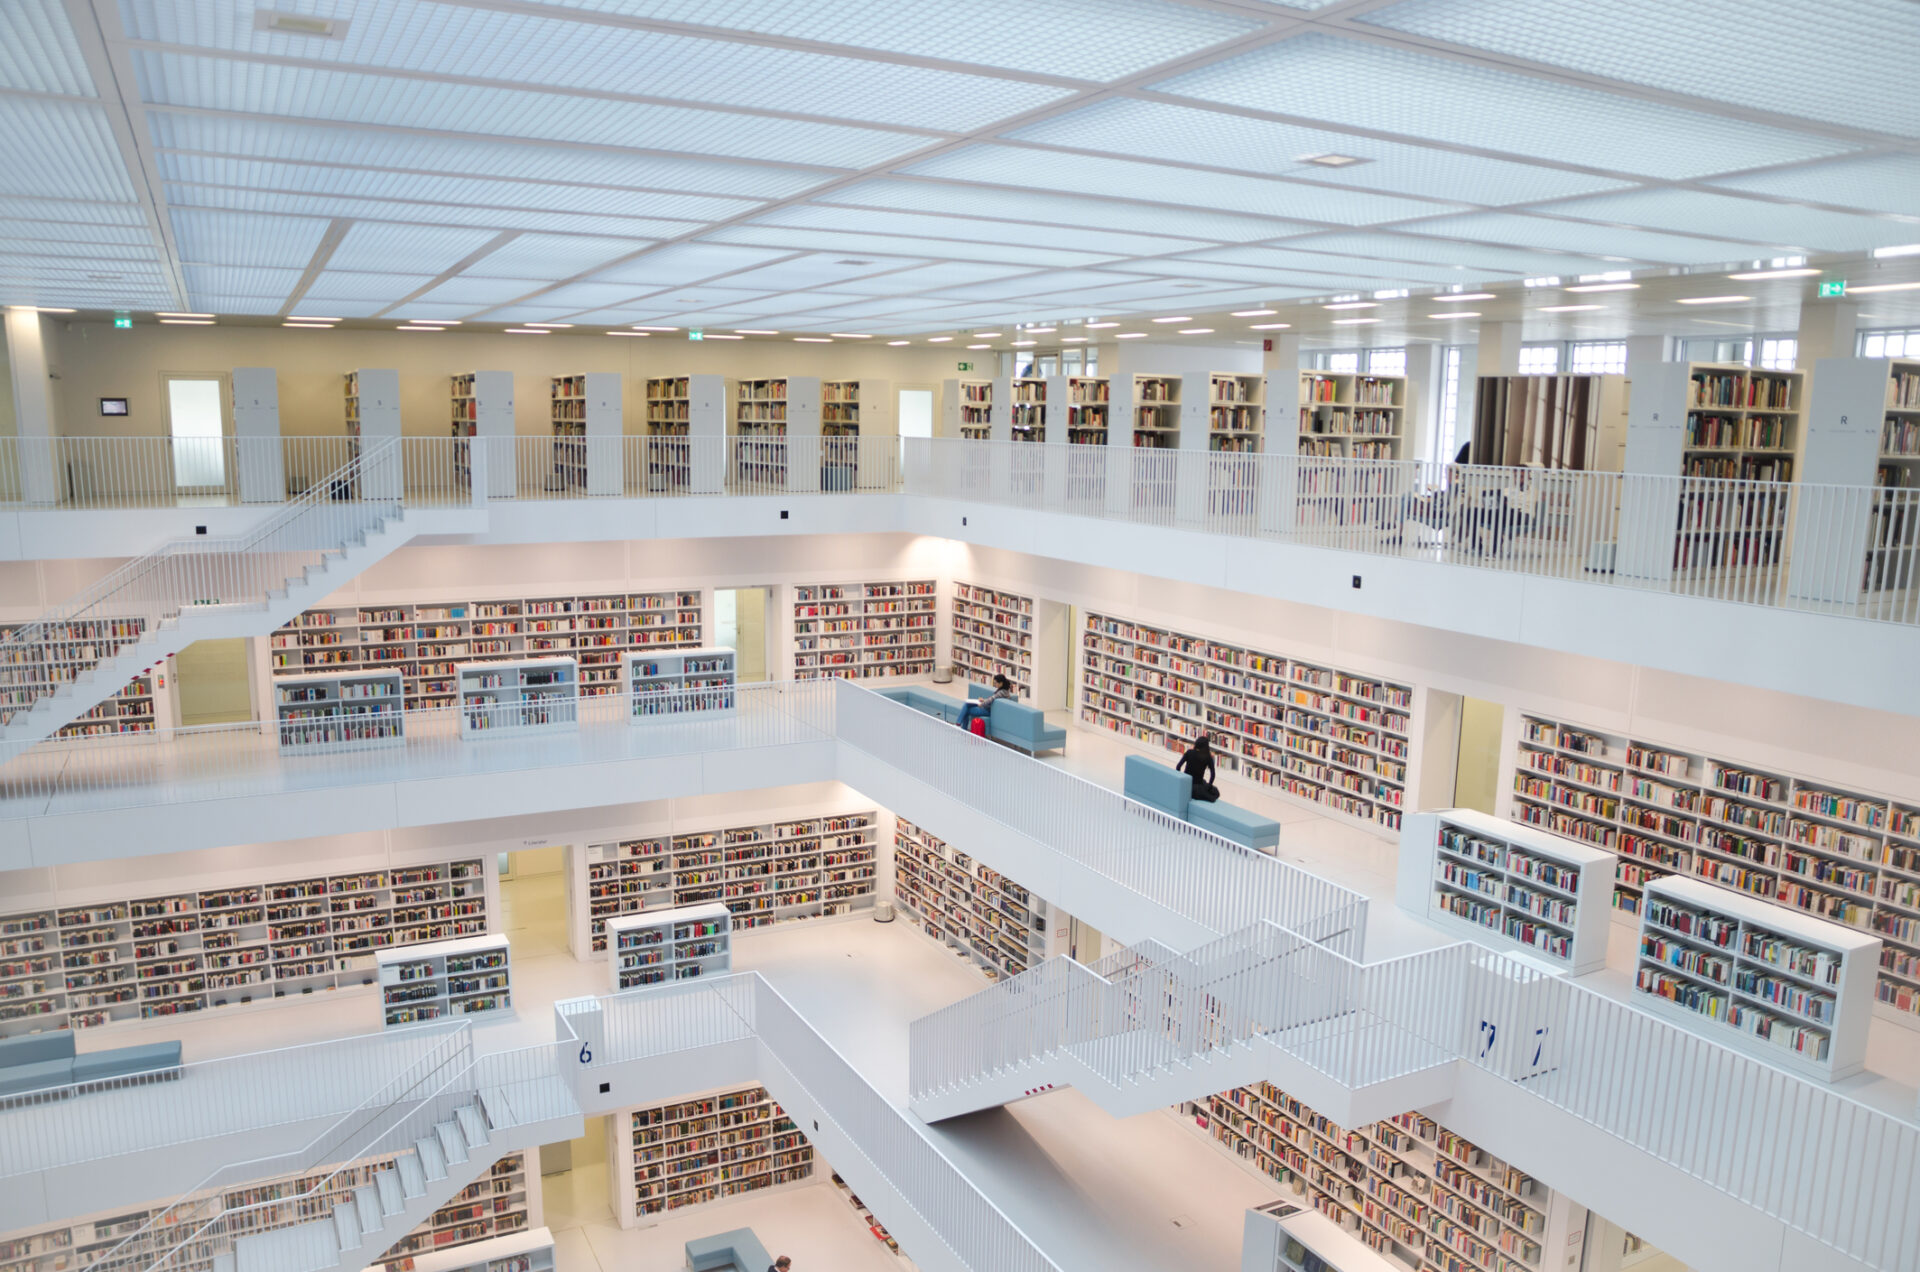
1421	415
32	405
1499	349
1828	329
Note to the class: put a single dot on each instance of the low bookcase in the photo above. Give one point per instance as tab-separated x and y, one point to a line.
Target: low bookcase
654	947
670	682
518	697
445	978
352	711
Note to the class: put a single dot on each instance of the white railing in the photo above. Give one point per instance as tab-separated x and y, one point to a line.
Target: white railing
1738	1124
1216	882
1848	550
57	648
225	761
644	1023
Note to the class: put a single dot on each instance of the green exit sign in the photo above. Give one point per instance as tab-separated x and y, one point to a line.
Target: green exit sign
1833	287
696	334
965	366
122	320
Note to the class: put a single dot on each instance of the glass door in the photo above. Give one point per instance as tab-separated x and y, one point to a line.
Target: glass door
196	425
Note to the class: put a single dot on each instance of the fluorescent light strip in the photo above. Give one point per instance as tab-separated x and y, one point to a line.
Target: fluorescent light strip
939	339
1566	309
849	335
1196	331
638	327
1457	313
186	322
979	346
551	326
308	318
418	327
308	326
1131	335
1073	340
753	331
1040	331
638	335
1458	296
1775	273
714	336
42	309
1903	249
528	331
1268	326
1253	313
168	315
1097	326
1023	344
811	340
985	335
1883	287
1712	300
1606	287
895	344
1181	318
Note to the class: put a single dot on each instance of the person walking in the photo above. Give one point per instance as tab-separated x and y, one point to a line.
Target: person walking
1197	764
978	708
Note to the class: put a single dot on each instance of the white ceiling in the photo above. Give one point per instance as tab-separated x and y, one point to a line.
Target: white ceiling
903	166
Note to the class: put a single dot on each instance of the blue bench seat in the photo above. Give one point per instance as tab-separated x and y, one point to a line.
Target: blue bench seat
1014	723
736	1249
1171	791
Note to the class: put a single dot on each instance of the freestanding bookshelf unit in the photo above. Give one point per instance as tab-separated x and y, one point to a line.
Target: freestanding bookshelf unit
1344	417
352	711
587	433
1785	986
677	681
517	697
686	432
669	945
482	403
256	433
373	416
850	410
1863	429
1508	887
1156	411
702	1149
444	978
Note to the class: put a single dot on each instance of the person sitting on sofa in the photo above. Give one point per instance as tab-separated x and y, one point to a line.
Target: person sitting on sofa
1197	764
977	708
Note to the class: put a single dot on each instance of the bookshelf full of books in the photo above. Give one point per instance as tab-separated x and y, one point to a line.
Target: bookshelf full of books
701	1149
1027	410
961	903
760	423
1791	988
686	426
1156	411
482	407
530	1250
1510	887
771	872
993	635
864	631
1893	531
1089	400
516	697
849	411
1415	1193
147	955
657	946
77	641
1235	413
348	711
973	410
494	1206
1304	728
675	681
1351	416
462	977
425	640
1862	429
372	413
1802	845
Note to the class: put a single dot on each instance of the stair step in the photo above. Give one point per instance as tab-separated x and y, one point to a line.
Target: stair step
392	1199
413	1178
366	1199
472	1125
346	1225
452	1142
433	1159
304	1247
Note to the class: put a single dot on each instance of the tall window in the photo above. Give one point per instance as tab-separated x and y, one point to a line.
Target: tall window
1778	355
1540	359
1343	363
1773	353
1598	357
1448	424
1890	343
1386	362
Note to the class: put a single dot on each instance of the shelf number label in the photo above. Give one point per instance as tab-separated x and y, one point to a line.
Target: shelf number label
586	1054
1539	1043
1488	1031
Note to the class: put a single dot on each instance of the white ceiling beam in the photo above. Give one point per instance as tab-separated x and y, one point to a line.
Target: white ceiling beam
322	253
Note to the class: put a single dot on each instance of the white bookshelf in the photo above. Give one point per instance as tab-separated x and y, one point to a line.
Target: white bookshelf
1784	986
352	711
669	945
132	710
502	1202
587	428
461	977
1236	412
1304	728
518	696
968	409
993	635
702	1149
686	429
425	640
1410	1191
1027	410
1156	411
863	631
769	872
677	681
1847	856
373	416
482	409
849	411
256	431
148	955
961	903
1350	416
526	1251
1508	887
1863	429
1087	403
760	423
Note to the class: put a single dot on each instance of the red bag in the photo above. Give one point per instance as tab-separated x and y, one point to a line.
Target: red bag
978	727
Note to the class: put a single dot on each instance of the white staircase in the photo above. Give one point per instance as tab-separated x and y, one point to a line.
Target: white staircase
63	664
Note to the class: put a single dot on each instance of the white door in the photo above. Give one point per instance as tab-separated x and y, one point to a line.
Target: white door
196	422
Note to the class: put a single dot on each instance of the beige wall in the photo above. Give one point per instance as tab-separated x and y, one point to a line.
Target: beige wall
94	361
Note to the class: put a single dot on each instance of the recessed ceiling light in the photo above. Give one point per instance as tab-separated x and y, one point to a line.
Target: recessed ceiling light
186	322
1352	322
1712	300
980	346
299	24
168	315
1457	313
1023	344
638	327
528	331
307	326
1331	160
985	335
1253	313
754	331
1267	326
1774	273
43	309
1458	296
638	335
1606	287
939	339
1353	304
811	340
555	326
849	335
1130	335
895	344
1196	331
1096	326
1903	249
1883	287
716	336
1181	318
419	327
1073	340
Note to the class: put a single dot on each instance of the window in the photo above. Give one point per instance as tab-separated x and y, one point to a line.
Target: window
1386	361
1599	357
1342	363
916	413
1449	421
1778	355
1890	343
1540	359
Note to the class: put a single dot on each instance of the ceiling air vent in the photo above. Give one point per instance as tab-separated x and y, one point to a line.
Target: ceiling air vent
299	24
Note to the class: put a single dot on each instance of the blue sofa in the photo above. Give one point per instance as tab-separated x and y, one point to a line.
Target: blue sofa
736	1249
1014	723
1171	791
34	1062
